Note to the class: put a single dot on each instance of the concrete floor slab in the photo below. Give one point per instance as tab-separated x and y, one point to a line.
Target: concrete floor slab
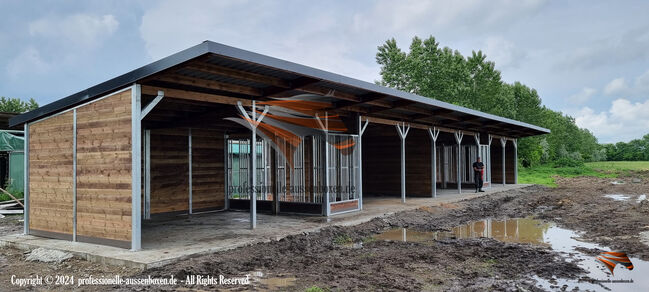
167	241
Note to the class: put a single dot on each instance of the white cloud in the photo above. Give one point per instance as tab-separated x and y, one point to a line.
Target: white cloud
617	86
29	61
330	35
582	96
503	52
78	29
624	121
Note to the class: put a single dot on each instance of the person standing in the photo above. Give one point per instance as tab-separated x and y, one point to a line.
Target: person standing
478	170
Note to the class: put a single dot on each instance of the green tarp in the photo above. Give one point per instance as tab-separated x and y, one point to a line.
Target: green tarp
15	145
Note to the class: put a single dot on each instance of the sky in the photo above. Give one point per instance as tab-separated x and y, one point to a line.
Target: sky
588	59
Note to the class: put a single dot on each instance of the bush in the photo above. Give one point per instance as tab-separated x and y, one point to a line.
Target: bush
568	162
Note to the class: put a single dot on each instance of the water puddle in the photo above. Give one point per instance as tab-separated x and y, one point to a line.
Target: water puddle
618	197
617	182
527	230
272	283
641	198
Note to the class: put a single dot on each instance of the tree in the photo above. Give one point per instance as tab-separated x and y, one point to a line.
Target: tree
473	82
16	105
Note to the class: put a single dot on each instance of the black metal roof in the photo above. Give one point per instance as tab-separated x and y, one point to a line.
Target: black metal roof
246	61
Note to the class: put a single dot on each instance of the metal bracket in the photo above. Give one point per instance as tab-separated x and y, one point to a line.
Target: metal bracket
434	133
403	130
254	121
476	136
458	137
503	141
149	107
363	127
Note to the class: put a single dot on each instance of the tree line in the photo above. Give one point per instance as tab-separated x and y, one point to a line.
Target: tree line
444	74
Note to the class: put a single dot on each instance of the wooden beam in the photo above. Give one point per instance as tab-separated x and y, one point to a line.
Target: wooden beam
196	96
396	104
275	91
362	99
329	92
210	84
413	125
237	74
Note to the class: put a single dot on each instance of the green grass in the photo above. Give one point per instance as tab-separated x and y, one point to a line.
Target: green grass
545	174
316	289
343	239
619	166
15	193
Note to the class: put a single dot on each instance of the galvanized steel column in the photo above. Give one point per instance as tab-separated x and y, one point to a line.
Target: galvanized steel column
254	122
515	161
136	168
458	138
403	133
361	130
189	159
433	133
26	181
503	143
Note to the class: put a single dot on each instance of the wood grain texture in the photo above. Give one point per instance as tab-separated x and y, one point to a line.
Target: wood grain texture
104	168
208	177
169	170
50	174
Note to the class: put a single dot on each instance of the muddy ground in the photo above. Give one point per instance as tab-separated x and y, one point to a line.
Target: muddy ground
334	259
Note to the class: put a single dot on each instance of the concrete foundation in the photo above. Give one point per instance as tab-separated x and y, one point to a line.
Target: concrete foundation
179	238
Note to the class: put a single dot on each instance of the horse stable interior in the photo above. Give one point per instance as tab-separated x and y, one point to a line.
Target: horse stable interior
176	137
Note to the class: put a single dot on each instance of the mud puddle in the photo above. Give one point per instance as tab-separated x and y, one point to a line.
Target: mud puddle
537	232
272	283
625	197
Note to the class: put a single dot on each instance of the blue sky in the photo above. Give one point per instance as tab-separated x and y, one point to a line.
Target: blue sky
589	59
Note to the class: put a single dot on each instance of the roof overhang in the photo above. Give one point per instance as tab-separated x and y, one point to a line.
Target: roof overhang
213	68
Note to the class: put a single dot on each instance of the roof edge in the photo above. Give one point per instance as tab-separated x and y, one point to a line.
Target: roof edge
111	85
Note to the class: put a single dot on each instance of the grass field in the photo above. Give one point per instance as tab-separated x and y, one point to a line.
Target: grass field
545	174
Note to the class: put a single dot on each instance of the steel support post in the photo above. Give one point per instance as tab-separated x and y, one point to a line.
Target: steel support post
74	174
515	161
403	133
325	128
433	133
503	143
136	168
458	138
226	161
26	181
189	159
147	174
361	130
253	122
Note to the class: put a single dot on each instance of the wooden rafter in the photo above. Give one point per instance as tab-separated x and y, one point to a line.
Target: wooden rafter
237	74
209	84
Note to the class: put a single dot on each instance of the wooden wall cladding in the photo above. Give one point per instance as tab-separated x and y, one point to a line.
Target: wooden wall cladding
510	162
50	174
104	168
418	164
381	161
208	176
496	162
169	170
